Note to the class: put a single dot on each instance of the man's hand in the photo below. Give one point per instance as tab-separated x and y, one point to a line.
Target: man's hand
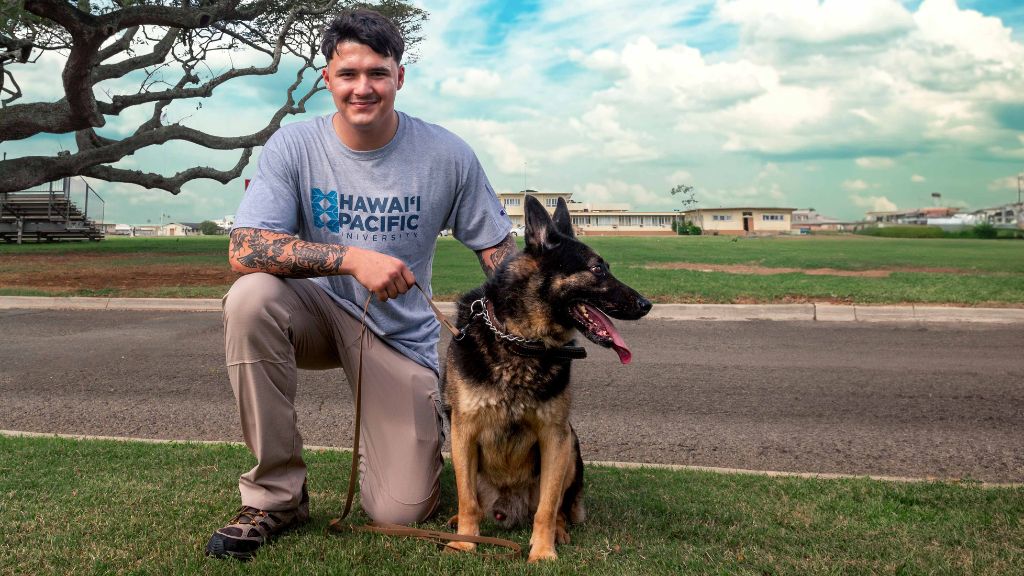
383	275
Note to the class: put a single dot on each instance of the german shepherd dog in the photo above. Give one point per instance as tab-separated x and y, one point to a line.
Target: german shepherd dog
507	381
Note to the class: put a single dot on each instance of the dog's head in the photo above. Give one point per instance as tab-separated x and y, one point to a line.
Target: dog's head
578	284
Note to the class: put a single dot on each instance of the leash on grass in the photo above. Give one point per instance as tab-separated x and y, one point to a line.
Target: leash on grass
437	537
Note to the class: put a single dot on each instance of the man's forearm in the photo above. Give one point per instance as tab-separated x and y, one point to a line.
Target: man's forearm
491	257
255	250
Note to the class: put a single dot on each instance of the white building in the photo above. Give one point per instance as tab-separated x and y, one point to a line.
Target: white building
226	222
742	221
1005	216
176	229
604	219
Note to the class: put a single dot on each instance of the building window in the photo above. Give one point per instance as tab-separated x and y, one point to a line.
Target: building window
772	217
721	217
551	202
512	201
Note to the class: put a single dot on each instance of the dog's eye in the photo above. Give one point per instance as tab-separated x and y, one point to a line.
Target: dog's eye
598	270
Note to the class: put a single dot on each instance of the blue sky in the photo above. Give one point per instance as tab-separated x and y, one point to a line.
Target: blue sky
845	106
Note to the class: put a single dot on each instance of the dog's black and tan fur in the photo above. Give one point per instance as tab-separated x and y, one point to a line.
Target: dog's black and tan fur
515	454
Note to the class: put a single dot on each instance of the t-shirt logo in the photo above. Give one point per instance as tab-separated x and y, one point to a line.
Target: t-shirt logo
325	210
354	214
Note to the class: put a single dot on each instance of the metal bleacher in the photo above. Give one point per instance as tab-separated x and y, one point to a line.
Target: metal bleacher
59	212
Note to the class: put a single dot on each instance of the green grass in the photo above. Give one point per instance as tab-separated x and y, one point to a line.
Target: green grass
106	507
933	271
839	252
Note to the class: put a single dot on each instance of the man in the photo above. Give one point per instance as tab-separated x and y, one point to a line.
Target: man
342	207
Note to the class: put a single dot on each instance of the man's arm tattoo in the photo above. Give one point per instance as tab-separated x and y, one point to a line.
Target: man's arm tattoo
491	257
282	255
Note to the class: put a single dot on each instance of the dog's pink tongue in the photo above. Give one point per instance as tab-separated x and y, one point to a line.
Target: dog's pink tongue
625	355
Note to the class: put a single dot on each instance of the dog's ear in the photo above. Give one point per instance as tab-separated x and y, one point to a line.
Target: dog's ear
563	222
540	230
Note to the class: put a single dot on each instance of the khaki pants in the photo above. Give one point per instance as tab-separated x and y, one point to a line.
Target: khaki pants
272	327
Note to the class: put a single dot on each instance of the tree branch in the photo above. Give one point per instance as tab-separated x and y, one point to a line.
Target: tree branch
157	56
123	43
174	183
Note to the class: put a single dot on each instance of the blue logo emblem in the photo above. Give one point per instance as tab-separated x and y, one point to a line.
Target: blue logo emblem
325	209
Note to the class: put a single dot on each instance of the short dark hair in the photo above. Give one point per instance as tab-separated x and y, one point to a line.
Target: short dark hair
364	27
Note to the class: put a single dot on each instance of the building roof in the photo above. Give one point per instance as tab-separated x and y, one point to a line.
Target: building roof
813	217
735	208
535	193
930	210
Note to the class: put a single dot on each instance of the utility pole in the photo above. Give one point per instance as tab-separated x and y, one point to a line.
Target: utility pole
1020	178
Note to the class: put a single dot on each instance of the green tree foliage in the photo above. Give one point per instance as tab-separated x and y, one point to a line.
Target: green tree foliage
210	228
687	197
985	230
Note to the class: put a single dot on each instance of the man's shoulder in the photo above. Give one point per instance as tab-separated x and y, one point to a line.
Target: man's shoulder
298	130
437	134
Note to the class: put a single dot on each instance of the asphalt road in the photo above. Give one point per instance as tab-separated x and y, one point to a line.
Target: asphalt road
918	400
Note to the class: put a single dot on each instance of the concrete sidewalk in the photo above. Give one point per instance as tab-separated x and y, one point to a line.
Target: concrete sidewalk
702	312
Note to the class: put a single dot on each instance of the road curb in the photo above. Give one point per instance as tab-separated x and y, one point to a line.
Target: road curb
820	312
599	463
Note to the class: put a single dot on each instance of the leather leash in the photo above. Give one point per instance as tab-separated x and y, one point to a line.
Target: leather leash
437	537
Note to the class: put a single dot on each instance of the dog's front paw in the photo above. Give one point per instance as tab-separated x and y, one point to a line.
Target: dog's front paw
561	535
539	553
453	522
459	547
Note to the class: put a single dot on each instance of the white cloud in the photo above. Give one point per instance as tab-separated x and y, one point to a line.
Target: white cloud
618	191
645	72
769	170
473	83
778	121
1007	183
601	124
941	22
494	139
813	22
874	162
566	153
1006	153
873	203
853	185
917	179
754	195
679	177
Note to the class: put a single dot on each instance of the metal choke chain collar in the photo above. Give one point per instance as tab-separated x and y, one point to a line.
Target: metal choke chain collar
482	301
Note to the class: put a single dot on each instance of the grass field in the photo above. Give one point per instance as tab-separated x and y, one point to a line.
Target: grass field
106	507
845	269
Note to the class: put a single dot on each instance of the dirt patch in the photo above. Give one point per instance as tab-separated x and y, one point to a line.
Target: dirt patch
758	270
61	273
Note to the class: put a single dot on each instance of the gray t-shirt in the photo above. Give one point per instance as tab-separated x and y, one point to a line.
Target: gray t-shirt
394	200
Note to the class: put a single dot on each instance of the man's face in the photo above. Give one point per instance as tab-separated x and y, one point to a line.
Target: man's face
363	84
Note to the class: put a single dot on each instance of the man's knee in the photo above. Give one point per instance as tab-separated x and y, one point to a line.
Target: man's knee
382	508
249	296
255	319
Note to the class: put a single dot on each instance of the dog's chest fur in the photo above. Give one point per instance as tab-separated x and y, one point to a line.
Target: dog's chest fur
508	408
514	391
